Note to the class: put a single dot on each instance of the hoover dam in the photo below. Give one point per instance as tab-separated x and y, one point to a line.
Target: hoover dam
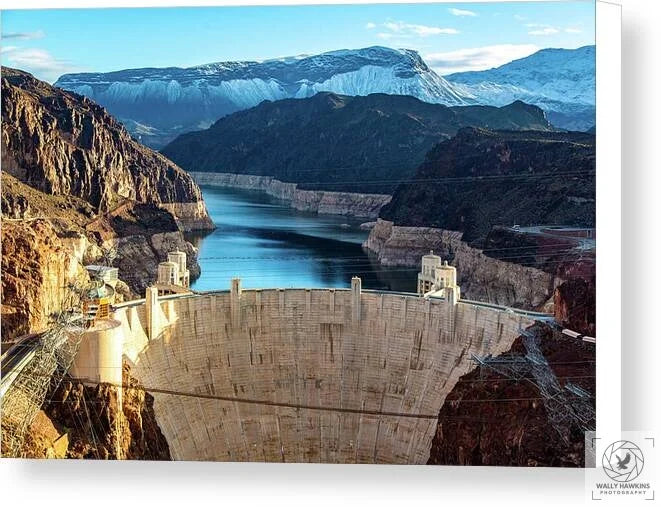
298	375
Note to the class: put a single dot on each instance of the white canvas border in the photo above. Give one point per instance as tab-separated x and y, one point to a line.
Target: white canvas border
609	218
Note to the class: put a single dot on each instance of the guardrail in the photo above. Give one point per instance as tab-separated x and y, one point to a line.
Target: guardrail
529	313
12	370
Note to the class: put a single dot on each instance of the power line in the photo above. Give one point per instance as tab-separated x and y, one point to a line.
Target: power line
299	406
544	250
365	259
458	179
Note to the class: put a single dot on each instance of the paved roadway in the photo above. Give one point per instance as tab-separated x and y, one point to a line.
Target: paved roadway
543	230
12	361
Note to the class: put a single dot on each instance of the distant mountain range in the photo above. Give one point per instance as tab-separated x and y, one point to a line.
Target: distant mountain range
560	81
157	104
334	142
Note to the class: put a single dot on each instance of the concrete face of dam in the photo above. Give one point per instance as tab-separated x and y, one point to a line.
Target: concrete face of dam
330	376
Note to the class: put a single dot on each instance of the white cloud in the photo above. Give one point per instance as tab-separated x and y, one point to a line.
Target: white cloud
481	58
370	25
549	30
7	49
39	34
518	17
404	30
461	12
38	62
543	29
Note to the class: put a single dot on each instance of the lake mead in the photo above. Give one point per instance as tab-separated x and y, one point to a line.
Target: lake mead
268	244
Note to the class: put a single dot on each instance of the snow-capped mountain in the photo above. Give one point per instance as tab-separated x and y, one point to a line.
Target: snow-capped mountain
560	81
157	104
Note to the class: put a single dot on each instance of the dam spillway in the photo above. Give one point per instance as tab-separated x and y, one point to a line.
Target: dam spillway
330	376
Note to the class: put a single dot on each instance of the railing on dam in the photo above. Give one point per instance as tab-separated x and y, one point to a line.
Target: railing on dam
528	313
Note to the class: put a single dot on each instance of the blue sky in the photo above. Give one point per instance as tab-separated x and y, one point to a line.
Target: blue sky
450	37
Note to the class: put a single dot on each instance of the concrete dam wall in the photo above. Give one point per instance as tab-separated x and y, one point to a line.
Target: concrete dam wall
331	376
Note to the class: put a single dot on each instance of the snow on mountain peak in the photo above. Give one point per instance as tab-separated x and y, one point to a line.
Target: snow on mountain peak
561	81
174	100
165	98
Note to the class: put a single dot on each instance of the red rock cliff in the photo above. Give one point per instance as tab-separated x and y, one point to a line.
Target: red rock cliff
489	419
62	143
95	426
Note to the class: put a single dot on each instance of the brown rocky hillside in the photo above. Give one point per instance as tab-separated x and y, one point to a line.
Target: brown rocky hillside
74	183
64	144
490	419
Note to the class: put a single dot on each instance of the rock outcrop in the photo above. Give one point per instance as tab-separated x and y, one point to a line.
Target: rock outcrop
482	278
141	235
510	425
46	241
575	307
64	144
94	424
44	440
481	178
472	185
73	184
567	254
528	271
37	267
316	201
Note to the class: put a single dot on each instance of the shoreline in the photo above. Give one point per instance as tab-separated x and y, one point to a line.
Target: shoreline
351	204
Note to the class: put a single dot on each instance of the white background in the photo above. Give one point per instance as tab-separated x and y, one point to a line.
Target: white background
187	484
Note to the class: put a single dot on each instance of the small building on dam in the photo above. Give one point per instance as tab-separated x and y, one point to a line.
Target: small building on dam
299	375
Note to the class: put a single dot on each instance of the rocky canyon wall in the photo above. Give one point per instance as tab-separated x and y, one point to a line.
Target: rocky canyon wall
64	144
37	267
94	422
480	182
142	235
518	431
316	201
47	240
482	278
74	183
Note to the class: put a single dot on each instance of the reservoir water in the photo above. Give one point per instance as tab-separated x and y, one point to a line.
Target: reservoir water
267	244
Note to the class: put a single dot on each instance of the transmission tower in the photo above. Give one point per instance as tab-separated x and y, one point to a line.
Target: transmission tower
42	366
566	407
